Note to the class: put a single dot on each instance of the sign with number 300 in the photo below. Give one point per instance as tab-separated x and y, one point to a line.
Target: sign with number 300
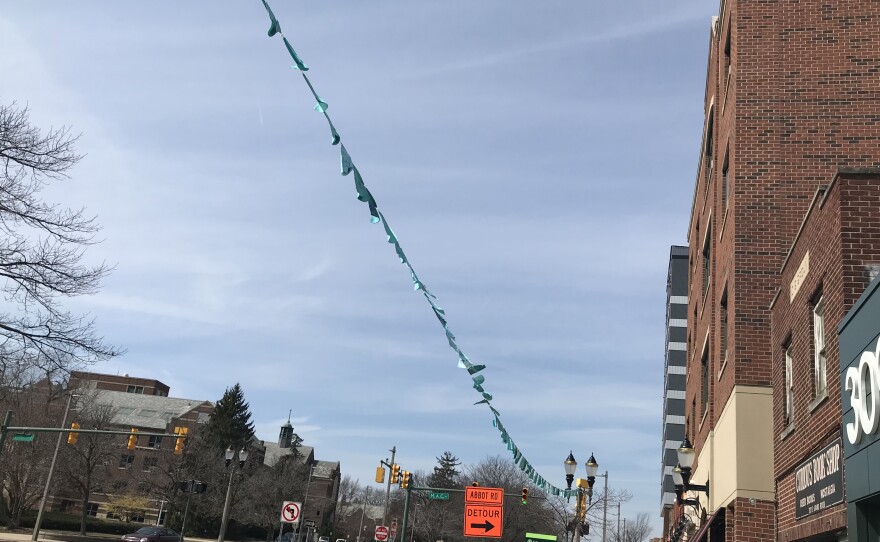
863	383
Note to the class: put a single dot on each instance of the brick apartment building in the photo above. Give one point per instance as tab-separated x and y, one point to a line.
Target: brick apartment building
792	94
833	258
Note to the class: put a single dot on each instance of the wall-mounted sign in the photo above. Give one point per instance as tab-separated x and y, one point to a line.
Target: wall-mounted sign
819	481
863	383
799	276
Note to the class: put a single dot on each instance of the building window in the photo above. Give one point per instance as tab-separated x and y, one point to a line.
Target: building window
819	380
137	517
707	260
150	463
708	158
693	424
126	461
727	68
725	181
722	317
135	389
155	441
789	387
704	382
92	509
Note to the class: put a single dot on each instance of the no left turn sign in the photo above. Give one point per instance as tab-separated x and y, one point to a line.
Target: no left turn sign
290	512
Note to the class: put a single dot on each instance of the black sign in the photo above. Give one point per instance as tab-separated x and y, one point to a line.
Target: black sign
819	481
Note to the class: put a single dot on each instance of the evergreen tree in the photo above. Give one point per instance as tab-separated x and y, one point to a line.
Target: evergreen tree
230	423
445	474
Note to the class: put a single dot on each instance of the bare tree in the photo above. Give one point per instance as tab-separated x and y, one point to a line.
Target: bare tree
41	251
24	464
82	461
633	530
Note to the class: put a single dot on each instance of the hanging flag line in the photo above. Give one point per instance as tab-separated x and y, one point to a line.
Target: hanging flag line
363	194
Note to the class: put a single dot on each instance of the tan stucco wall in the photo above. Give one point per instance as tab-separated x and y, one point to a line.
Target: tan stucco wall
737	457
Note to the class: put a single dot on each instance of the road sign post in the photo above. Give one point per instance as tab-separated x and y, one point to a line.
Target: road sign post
290	512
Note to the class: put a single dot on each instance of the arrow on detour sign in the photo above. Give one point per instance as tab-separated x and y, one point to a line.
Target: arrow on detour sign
483	520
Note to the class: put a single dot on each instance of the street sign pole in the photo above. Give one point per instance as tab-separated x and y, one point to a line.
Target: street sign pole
405	514
45	498
4	428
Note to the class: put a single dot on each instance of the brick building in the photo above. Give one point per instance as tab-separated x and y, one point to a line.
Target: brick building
832	259
791	95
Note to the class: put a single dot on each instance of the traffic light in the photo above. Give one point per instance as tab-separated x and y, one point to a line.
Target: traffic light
133	438
72	436
180	440
407	477
380	474
525	495
395	473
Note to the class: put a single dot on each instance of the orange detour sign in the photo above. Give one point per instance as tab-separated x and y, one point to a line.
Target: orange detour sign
483	495
483	520
483	511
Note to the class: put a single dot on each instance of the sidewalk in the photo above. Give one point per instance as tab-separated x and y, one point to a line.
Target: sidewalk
70	536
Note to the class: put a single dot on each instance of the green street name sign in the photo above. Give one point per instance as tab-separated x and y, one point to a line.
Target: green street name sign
438	496
23	437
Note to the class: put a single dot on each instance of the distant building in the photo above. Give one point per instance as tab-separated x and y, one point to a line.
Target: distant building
674	374
322	485
141	404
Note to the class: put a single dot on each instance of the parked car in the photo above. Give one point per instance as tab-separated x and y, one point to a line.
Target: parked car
152	534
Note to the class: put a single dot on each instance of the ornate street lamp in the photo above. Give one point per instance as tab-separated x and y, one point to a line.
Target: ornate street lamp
681	474
242	457
571	466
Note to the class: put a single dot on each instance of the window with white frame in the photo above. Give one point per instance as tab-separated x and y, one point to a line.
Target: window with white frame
819	377
789	387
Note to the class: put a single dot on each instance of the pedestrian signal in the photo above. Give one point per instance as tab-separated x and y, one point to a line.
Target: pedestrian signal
133	438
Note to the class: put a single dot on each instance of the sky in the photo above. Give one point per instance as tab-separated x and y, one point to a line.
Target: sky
535	159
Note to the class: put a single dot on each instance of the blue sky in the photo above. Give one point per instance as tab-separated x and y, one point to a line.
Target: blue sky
536	160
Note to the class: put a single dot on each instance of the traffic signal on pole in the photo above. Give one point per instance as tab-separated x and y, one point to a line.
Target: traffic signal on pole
72	436
525	495
380	474
395	473
407	477
180	439
133	438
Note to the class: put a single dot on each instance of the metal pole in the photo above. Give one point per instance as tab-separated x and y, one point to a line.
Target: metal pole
225	519
605	508
185	511
39	521
306	501
159	515
363	511
388	489
577	516
6	422
618	521
624	528
405	513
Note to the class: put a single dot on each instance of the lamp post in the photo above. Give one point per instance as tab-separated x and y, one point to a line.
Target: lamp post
681	475
242	457
584	490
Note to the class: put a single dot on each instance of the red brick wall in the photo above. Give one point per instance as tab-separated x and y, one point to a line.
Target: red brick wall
802	100
841	234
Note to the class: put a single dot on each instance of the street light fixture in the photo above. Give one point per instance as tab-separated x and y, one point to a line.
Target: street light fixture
228	456
681	474
584	490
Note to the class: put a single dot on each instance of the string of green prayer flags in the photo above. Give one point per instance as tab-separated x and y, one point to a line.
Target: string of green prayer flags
347	167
